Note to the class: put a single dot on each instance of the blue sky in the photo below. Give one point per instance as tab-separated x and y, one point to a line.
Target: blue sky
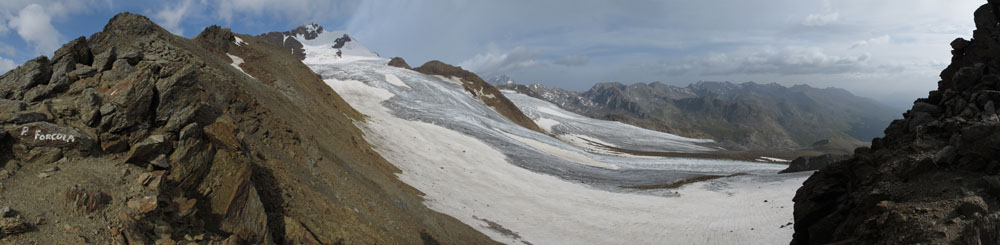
890	50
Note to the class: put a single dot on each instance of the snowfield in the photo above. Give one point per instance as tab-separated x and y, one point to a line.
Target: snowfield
519	186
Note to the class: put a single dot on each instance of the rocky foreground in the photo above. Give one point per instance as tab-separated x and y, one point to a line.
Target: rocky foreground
137	136
934	178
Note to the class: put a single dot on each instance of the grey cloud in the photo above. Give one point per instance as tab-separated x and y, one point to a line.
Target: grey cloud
765	60
298	11
572	60
884	39
821	19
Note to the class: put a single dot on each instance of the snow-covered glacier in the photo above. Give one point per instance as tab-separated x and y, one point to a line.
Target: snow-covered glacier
521	186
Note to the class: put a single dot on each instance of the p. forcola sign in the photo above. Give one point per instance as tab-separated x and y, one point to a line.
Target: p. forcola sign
42	136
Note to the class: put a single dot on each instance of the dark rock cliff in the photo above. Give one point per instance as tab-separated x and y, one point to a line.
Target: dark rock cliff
935	177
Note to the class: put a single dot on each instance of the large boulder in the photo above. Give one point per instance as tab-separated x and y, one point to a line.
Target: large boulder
47	135
15	83
129	101
234	198
144	152
105	60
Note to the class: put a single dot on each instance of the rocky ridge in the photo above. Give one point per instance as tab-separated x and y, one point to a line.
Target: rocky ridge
146	137
934	178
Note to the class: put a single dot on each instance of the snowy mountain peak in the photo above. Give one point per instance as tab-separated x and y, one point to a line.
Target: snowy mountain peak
313	38
308	31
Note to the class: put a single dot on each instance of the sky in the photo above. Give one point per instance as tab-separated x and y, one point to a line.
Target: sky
888	50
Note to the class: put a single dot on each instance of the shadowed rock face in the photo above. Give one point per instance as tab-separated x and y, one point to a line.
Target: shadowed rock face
162	139
475	85
935	177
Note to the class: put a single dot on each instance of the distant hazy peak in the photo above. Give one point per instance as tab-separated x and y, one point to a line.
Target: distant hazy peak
500	80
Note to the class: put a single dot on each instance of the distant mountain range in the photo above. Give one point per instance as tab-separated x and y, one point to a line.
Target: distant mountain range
745	116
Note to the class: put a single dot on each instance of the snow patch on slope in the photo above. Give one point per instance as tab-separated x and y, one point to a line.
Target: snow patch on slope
238	41
546	124
237	61
394	80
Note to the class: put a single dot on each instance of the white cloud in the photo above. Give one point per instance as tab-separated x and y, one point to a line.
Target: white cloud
34	25
573	60
499	62
884	39
171	18
6	65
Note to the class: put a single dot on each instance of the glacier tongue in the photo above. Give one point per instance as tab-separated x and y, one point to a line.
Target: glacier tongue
518	185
